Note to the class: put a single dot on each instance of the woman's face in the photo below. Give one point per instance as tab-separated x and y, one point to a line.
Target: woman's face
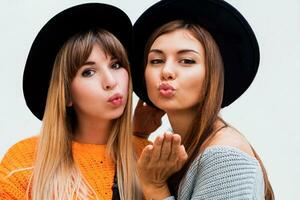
175	71
100	87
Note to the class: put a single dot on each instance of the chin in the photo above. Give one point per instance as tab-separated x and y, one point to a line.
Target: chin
164	104
117	113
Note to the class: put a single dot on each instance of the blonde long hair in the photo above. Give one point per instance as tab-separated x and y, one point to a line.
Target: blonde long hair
55	175
208	109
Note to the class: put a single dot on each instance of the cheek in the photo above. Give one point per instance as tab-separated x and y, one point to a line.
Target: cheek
123	78
75	89
193	83
152	79
80	91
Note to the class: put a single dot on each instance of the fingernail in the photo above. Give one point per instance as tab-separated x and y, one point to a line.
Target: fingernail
160	138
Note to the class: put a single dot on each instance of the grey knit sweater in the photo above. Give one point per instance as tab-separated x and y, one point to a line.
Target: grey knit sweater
222	173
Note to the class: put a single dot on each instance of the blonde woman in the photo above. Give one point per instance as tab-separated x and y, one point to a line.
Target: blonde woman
77	81
193	58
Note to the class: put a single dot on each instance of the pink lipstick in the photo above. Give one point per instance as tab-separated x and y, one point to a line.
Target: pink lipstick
166	90
116	99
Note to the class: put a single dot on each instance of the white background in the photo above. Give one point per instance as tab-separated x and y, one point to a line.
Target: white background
267	114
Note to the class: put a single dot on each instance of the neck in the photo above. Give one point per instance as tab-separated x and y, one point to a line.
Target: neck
93	131
181	121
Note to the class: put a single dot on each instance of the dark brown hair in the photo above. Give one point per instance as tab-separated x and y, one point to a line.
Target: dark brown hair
209	107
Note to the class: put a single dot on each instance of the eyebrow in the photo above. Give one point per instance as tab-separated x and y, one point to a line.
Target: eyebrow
179	52
88	63
156	51
187	51
93	63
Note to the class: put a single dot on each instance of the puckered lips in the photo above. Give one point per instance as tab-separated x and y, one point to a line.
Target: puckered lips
116	99
166	90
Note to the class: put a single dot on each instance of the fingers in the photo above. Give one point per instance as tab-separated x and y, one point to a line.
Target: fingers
166	148
182	154
146	119
138	109
140	103
182	157
162	159
176	141
156	152
166	151
145	155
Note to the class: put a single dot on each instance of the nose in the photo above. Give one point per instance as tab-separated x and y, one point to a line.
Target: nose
108	80
168	72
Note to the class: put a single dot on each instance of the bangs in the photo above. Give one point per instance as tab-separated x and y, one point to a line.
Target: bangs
77	50
79	47
111	46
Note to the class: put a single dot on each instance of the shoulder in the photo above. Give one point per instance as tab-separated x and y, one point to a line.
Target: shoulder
25	146
230	137
220	156
15	169
139	144
20	155
226	160
224	172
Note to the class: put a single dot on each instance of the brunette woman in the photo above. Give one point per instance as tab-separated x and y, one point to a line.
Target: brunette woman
191	59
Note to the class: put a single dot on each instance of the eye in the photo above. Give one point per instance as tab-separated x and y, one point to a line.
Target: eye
187	61
88	73
156	61
116	65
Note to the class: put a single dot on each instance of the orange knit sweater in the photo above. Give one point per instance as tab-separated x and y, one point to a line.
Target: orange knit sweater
97	168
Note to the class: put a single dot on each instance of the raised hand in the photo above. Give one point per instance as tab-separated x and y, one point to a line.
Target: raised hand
158	162
146	119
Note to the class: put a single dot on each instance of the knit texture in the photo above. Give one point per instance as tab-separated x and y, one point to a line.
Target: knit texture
222	173
96	167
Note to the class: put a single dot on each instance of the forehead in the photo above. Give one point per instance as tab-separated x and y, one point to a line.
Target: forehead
176	41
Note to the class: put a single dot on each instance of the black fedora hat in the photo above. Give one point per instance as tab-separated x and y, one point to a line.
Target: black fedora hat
232	33
55	33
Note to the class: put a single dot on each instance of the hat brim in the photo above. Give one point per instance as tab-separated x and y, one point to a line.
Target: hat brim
232	33
55	33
